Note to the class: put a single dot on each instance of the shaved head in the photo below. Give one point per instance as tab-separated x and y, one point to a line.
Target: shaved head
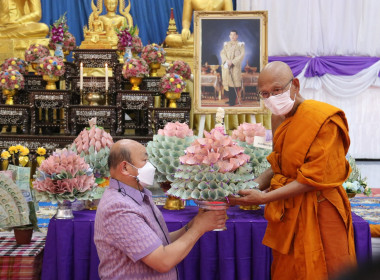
122	150
276	71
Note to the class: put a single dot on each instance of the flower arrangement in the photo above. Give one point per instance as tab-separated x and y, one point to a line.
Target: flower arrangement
172	82
5	155
355	184
41	151
11	79
69	42
64	175
19	155
166	148
58	30
125	36
93	144
212	168
35	52
181	68
137	45
153	53
135	67
51	66
14	63
246	132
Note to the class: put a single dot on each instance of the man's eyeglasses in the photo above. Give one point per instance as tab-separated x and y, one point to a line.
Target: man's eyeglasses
276	91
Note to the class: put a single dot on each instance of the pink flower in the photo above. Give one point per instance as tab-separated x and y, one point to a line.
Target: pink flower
180	130
247	131
180	68
153	54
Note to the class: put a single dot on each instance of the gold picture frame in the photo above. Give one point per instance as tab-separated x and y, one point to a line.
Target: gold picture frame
212	35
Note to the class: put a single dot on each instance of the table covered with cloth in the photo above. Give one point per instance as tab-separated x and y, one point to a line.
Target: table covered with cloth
21	261
237	253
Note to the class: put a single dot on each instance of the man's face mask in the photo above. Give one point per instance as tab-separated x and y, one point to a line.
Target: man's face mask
145	174
280	104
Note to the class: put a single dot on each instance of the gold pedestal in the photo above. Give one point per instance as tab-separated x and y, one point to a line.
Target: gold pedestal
135	81
16	47
172	97
250	207
174	203
94	98
50	81
153	69
9	93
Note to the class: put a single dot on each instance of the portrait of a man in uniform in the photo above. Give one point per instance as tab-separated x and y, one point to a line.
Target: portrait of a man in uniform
231	50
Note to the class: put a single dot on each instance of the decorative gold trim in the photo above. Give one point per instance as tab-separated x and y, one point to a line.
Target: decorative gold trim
198	16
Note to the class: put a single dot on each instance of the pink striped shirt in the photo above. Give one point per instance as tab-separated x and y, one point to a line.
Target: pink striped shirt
126	230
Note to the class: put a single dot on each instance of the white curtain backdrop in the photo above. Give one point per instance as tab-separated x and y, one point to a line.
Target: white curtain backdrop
332	27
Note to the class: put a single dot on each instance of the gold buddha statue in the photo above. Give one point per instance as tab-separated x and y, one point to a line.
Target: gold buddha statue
186	39
100	33
20	19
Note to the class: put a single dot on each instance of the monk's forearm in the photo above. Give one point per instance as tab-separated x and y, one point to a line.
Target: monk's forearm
290	190
264	179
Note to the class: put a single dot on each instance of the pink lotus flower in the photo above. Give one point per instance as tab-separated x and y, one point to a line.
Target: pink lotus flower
180	130
246	132
215	149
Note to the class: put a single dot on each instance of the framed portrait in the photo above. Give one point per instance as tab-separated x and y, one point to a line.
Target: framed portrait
230	50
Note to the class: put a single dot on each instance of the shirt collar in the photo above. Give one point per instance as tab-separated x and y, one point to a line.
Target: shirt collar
131	192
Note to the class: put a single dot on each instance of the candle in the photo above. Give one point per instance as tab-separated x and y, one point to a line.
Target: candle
81	77
106	77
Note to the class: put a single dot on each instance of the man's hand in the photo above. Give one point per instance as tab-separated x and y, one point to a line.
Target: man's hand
209	220
229	63
249	197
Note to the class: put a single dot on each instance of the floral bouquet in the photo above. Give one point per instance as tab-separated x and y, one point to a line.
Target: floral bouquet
14	63
153	53
137	45
63	176
58	30
11	79
355	184
172	83
69	43
166	148
125	36
181	68
93	145
35	52
135	67
246	132
51	66
212	168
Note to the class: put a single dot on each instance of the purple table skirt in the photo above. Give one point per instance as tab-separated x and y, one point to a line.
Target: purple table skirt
236	253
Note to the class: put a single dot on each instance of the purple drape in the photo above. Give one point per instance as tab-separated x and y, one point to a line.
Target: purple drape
321	65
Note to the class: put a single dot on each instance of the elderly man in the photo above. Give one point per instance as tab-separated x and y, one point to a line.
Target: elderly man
131	236
309	217
232	56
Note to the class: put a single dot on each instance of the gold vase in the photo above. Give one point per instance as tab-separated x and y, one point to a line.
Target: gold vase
250	207
65	53
23	160
39	160
351	195
154	68
135	81
4	164
172	202
172	97
9	93
94	98
120	56
34	67
50	81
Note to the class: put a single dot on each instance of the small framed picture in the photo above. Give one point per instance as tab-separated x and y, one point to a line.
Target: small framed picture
230	50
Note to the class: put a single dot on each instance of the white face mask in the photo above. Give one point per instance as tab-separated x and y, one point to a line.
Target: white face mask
145	174
280	104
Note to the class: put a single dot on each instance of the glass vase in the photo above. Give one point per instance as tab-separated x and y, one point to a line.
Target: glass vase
64	210
59	51
212	206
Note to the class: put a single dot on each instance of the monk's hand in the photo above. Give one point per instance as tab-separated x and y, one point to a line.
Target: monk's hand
248	197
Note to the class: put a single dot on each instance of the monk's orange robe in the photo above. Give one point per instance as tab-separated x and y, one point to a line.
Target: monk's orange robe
311	234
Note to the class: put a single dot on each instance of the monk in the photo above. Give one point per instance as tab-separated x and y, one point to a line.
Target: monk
309	218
